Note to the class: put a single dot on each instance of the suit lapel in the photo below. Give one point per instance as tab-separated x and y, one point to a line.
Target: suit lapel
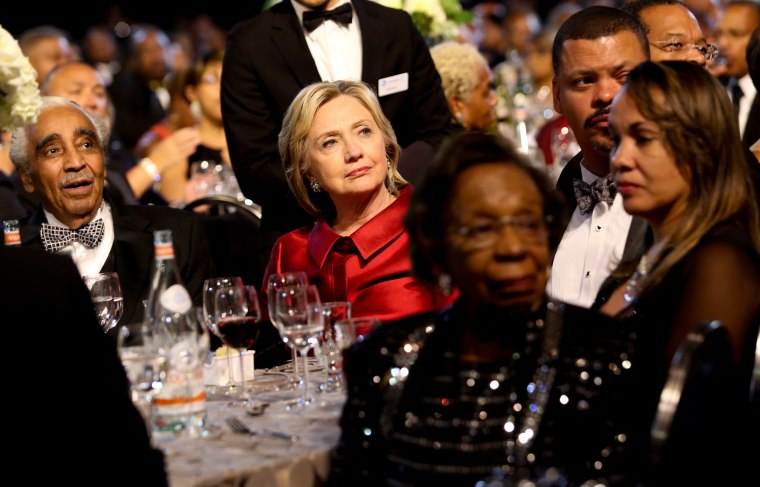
571	171
374	44
289	40
639	239
30	230
133	255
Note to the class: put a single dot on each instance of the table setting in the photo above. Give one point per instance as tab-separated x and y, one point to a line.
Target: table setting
289	446
265	427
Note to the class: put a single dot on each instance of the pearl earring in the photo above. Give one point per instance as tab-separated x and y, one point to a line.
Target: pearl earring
388	161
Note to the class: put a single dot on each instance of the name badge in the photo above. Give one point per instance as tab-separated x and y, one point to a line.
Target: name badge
393	84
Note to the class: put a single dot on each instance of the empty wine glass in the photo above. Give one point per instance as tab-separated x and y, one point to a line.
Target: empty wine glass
299	311
105	292
238	317
275	283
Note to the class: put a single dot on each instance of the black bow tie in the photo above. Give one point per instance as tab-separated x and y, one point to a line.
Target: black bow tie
314	18
55	238
588	195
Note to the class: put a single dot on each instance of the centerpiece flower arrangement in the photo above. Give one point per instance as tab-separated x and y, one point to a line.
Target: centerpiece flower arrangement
20	100
437	20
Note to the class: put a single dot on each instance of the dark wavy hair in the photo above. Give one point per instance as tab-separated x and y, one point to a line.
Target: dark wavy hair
425	219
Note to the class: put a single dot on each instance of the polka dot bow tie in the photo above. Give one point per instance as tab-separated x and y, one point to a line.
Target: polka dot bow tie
55	238
588	195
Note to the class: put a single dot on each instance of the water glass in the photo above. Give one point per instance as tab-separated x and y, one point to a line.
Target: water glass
331	353
140	359
105	292
348	332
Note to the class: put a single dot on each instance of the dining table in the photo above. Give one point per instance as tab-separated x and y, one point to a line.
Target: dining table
291	445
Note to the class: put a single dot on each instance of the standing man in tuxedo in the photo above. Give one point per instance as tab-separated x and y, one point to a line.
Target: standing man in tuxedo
592	54
271	57
735	27
61	157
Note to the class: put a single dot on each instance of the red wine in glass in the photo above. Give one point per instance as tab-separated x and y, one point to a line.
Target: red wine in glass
239	332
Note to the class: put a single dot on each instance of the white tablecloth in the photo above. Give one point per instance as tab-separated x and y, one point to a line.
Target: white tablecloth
225	458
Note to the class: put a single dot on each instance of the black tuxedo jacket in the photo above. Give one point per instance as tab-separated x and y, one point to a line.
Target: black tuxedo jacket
69	386
638	234
267	62
132	252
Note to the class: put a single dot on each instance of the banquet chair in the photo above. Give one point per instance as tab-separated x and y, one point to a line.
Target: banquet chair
690	428
233	232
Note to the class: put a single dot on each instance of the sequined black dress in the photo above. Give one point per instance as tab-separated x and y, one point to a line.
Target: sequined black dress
417	415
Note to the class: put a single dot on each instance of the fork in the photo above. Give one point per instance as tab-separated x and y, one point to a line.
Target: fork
239	427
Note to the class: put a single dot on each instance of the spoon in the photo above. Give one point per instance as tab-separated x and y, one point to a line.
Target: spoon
255	408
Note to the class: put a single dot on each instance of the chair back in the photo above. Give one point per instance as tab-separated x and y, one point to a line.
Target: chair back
233	232
689	427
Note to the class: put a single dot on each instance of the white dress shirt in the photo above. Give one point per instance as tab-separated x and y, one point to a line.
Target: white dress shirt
745	103
89	261
335	48
590	249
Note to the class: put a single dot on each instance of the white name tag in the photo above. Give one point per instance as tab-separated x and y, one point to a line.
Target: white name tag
393	84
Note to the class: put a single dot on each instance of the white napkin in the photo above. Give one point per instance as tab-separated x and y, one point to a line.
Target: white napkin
217	373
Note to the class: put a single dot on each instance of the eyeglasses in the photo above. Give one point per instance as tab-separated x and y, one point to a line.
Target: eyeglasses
485	233
708	51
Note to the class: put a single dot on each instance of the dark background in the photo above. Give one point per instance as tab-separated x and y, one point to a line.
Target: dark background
75	17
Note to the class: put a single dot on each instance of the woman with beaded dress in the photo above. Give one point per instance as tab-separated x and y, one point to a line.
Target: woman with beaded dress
677	161
503	385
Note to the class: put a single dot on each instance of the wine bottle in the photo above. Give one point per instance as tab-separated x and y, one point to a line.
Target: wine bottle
180	405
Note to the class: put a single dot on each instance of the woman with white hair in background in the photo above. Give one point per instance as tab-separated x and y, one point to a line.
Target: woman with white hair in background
467	83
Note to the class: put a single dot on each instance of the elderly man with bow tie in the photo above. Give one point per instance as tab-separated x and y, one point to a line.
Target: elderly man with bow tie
61	157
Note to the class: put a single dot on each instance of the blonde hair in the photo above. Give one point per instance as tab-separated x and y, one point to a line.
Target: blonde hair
459	66
293	140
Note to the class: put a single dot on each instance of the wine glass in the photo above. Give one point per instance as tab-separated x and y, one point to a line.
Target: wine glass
299	311
333	312
238	317
105	292
210	287
275	283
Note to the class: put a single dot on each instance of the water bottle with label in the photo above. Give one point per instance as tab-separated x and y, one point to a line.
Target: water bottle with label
180	404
